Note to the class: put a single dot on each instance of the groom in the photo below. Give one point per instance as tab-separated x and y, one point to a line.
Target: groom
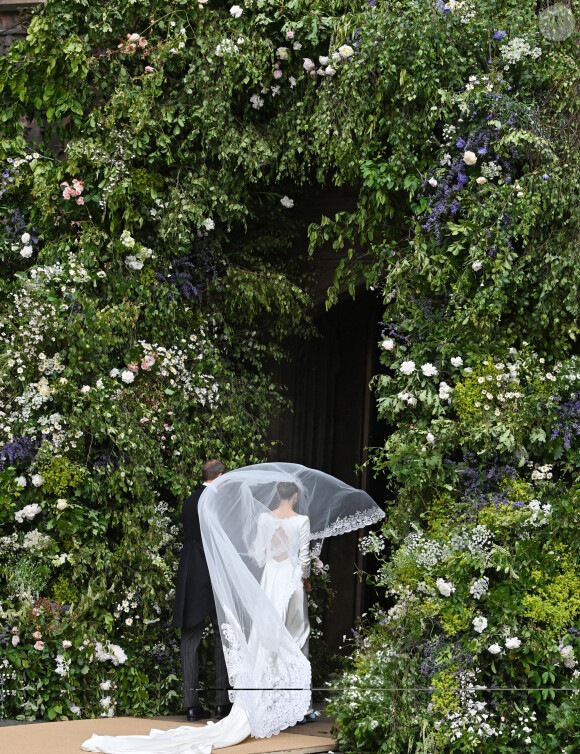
194	602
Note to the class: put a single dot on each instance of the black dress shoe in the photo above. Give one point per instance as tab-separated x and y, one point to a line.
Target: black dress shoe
223	710
197	713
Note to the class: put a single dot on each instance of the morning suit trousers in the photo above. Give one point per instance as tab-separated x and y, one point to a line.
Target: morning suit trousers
190	643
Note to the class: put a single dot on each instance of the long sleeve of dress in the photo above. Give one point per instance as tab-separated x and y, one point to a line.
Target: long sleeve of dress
304	553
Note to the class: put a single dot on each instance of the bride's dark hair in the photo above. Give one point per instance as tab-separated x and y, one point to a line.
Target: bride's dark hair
286	490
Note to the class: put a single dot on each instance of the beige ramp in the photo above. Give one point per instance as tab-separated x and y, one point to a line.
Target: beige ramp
66	737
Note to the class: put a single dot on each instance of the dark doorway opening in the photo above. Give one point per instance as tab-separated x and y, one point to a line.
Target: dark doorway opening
332	424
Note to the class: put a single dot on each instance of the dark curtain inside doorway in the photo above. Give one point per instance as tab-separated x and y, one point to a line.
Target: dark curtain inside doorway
333	421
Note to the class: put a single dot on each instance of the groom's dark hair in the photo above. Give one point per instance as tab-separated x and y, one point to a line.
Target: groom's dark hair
211	470
286	490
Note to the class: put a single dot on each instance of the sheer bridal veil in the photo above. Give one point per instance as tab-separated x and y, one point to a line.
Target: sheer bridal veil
267	669
252	552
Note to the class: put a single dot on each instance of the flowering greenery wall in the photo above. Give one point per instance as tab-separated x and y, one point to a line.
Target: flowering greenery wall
458	121
150	279
147	287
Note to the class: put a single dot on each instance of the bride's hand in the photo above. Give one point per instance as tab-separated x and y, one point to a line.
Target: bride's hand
307	586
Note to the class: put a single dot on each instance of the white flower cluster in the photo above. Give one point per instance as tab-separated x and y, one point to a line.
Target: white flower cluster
129	603
524	720
540	472
567	654
407	398
25	249
445	391
476	541
425	552
479	587
109	706
541	514
62	665
226	47
142	253
471	722
108	651
490	170
28	512
516	49
372	543
36	541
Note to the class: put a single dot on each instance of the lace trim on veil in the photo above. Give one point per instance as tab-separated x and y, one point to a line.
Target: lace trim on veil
349	523
273	688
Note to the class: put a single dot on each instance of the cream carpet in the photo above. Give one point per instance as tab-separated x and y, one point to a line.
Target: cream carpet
66	737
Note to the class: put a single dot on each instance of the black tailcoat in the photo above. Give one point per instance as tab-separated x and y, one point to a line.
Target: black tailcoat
193	593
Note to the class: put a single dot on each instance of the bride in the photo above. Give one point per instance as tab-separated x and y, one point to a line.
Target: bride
260	525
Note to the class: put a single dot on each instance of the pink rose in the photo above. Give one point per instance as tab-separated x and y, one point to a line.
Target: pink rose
80	200
66	644
39	645
67	192
133	37
143	420
142	42
15	640
290	33
149	69
14	629
277	74
37	635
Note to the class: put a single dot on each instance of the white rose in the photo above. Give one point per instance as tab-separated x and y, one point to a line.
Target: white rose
308	64
61	504
476	266
408	367
495	649
445	587
324	60
26	251
513	643
236	11
469	158
430	437
345	51
21	481
85	389
37	479
388	344
329	70
457	361
296	46
15	640
114	372
285	201
432	182
25	238
282	53
481	180
208	223
479	623
429	370
127	376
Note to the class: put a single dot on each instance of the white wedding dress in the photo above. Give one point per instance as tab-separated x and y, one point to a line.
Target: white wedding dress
257	559
277	538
